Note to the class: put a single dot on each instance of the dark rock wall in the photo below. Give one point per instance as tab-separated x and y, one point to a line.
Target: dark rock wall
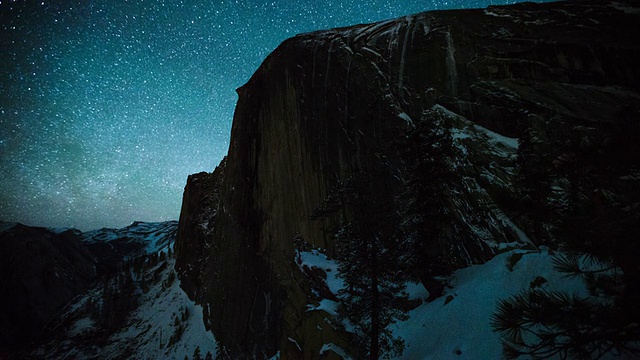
327	104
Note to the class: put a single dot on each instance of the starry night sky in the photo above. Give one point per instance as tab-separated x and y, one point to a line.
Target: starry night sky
107	105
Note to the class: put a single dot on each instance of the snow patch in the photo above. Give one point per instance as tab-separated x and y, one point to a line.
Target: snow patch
521	234
406	118
327	305
491	13
458	134
416	291
60	230
81	326
153	324
452	71
364	48
494	137
457	325
148	331
156	236
336	349
315	258
295	343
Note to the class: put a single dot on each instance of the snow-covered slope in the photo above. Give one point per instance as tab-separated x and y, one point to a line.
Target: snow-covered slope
164	325
456	325
131	307
153	324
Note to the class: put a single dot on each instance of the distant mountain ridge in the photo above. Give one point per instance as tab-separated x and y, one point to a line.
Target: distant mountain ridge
43	269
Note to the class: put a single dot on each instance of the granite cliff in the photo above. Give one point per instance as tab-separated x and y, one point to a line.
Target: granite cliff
561	78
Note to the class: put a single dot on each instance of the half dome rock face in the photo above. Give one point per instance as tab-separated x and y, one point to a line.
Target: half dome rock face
450	101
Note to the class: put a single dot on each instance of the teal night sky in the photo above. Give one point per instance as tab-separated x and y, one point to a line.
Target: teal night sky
107	105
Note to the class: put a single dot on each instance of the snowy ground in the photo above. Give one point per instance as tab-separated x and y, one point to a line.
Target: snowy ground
153	324
457	325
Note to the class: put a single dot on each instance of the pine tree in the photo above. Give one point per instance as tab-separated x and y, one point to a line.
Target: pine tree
206	316
196	354
542	324
185	314
534	176
374	283
119	298
144	285
368	252
599	240
208	356
427	153
169	281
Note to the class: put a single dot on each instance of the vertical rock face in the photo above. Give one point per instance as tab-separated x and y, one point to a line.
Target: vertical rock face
329	104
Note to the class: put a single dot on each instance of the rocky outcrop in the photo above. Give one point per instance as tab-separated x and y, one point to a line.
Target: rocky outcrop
329	104
199	207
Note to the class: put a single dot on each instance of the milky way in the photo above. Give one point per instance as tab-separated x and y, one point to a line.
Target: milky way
107	105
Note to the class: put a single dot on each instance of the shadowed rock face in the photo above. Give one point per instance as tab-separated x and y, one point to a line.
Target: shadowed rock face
328	104
41	271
